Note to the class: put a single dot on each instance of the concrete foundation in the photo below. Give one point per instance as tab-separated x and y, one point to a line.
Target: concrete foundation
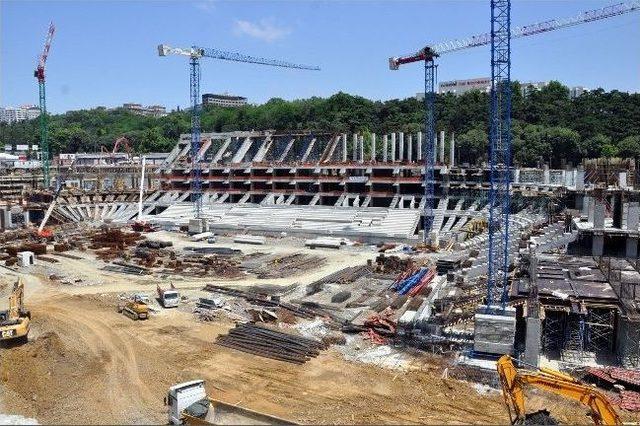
494	333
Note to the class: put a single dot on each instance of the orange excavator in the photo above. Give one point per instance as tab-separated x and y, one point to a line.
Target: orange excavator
513	382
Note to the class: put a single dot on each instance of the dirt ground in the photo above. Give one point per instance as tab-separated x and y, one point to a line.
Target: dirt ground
87	364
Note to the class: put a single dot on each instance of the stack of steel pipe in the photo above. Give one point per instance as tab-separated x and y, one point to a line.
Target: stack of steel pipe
261	300
268	343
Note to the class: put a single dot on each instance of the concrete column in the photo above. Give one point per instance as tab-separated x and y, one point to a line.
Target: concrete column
631	251
586	202
598	219
452	150
622	180
442	147
532	341
361	159
393	146
410	148
355	147
580	178
597	245
373	147
344	147
516	176
633	211
385	148
419	146
545	175
401	147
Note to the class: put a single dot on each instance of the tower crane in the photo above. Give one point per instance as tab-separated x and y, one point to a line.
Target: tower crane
39	74
194	54
500	143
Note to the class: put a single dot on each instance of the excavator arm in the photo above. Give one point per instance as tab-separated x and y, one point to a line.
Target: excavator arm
16	300
513	382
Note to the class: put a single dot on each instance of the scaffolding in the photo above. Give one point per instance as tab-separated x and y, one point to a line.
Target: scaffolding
573	349
629	342
554	330
600	327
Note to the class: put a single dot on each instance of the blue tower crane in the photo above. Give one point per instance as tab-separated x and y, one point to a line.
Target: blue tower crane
500	152
194	54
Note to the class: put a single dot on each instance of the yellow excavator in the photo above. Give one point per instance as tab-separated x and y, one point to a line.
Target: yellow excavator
15	322
513	382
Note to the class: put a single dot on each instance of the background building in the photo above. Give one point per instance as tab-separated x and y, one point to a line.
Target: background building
226	100
24	112
483	84
151	110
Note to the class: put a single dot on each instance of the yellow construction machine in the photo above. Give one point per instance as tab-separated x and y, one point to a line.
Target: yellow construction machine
15	322
135	307
513	382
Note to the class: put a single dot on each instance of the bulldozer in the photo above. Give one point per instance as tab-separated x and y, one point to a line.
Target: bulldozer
514	380
135	307
15	322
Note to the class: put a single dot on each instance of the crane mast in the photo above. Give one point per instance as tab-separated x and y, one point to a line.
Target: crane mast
499	152
500	120
194	54
39	74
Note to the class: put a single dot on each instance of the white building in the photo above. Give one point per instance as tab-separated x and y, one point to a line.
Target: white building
226	100
24	112
151	110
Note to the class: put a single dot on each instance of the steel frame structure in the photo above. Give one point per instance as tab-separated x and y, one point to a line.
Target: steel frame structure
429	152
194	54
499	151
39	74
196	143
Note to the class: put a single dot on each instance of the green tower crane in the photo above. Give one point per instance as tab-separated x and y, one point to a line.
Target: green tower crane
39	74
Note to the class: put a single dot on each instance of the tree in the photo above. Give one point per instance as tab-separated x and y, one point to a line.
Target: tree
592	147
472	146
609	151
563	143
629	147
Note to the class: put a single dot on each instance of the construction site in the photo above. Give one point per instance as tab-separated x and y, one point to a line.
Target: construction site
269	277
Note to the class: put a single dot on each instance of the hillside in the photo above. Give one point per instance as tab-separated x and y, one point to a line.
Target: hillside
547	125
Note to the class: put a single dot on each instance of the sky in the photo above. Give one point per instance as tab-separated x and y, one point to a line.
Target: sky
104	53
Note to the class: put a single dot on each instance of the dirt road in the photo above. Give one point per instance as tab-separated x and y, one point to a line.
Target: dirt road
88	364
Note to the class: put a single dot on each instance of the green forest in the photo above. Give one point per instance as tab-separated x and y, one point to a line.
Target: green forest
547	125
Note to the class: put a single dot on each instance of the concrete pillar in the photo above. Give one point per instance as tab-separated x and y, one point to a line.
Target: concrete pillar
516	175
344	147
361	159
393	146
373	147
385	148
545	175
532	341
355	147
442	147
598	219
633	213
597	245
631	250
410	148
580	178
419	146
401	147
452	150
586	201
622	180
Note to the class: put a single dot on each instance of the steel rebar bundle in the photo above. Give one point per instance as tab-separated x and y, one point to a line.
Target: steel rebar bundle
268	343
